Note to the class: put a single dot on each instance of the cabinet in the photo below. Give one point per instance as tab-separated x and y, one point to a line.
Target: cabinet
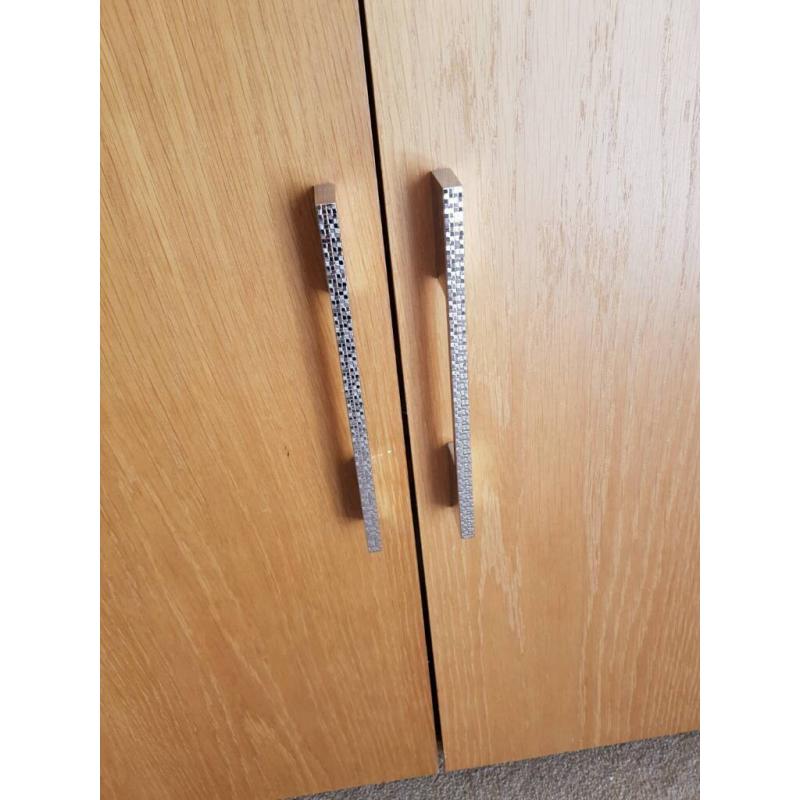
571	619
251	644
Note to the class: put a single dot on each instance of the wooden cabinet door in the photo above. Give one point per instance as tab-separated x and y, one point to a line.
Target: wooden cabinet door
251	646
571	618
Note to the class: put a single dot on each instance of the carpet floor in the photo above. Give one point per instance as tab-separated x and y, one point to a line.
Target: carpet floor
655	769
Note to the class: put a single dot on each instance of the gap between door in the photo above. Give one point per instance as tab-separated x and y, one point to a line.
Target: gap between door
400	382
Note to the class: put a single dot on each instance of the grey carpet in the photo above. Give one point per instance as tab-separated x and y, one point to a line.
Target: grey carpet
655	769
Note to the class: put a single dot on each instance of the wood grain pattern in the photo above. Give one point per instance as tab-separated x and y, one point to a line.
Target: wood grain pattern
571	620
251	647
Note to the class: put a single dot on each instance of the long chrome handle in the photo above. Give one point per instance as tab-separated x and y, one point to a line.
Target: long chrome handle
449	208
333	256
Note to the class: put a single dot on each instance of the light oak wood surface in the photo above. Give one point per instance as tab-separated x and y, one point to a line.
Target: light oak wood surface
251	646
571	619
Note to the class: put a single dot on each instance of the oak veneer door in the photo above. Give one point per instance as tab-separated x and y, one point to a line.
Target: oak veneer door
571	618
251	646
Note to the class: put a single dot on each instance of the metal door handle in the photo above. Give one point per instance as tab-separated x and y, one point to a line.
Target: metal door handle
333	256
449	209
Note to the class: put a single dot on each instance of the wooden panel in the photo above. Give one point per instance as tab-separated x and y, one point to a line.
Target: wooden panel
251	647
571	619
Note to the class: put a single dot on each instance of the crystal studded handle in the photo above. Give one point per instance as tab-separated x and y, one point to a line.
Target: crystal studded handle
449	210
333	256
